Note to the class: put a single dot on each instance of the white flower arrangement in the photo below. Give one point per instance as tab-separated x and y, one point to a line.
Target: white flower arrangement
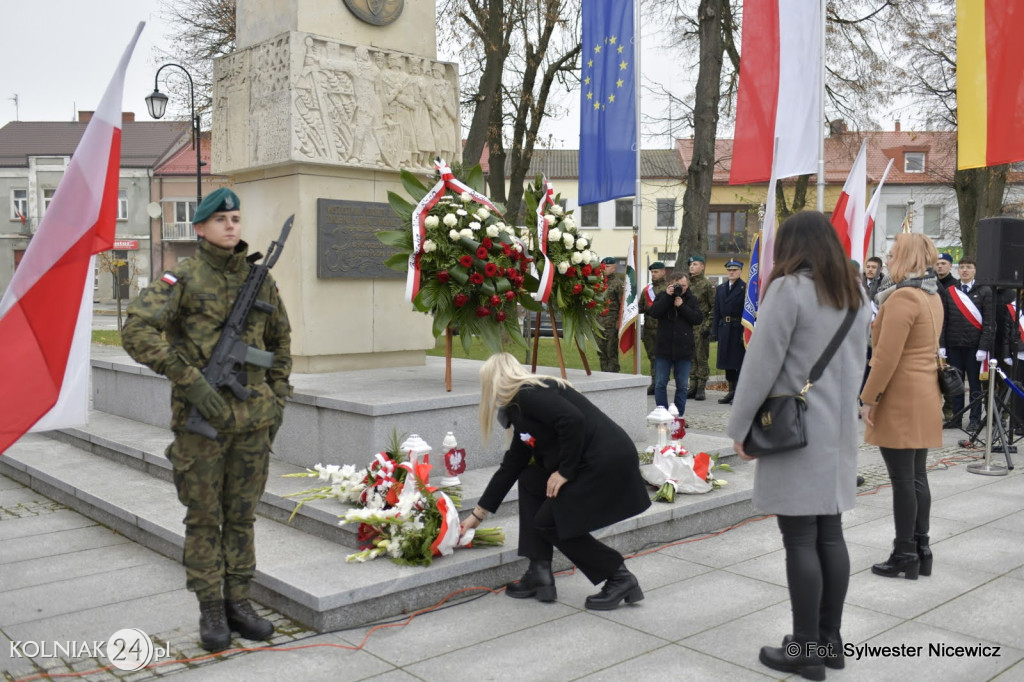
451	220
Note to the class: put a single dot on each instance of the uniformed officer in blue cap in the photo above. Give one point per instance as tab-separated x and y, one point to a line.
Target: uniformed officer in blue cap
727	326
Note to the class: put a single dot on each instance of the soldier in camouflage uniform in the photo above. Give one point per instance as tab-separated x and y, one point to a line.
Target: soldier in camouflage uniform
650	330
172	328
608	348
705	293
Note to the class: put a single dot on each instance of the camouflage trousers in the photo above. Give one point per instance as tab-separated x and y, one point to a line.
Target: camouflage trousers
648	336
220	483
608	350
699	367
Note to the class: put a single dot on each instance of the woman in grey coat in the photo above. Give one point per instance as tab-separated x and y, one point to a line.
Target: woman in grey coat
811	287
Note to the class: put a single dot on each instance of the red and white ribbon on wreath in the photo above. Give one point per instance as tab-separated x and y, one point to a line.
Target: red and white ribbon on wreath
448	181
546	278
966	306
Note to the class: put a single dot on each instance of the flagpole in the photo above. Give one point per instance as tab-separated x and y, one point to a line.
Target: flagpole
821	117
637	199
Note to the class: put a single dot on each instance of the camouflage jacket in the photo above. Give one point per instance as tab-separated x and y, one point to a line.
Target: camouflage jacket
651	322
616	285
702	288
176	321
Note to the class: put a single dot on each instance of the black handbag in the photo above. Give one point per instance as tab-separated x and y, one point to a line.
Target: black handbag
951	383
780	424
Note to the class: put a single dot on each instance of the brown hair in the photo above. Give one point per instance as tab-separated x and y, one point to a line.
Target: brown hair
806	240
911	253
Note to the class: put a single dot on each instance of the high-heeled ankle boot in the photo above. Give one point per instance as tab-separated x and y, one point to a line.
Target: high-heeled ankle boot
538	581
806	662
622	585
902	560
727	398
924	554
830	648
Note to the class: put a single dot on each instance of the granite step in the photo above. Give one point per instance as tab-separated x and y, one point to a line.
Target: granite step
300	573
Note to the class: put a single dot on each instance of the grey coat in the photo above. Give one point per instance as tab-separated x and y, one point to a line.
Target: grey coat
791	333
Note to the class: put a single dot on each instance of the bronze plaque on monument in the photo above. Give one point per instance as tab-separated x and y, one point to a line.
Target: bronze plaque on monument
347	245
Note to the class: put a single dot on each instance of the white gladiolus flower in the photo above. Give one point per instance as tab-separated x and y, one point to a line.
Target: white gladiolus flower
568	240
582	243
563	267
576	258
549	219
474	226
466	232
466	198
327	472
450	220
557	209
453	235
554	234
429	246
492	230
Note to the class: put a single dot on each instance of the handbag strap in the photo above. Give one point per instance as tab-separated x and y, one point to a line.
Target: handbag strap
830	350
939	360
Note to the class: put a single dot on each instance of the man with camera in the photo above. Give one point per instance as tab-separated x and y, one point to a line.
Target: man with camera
678	316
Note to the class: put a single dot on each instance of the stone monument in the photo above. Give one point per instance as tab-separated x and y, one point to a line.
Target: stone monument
315	113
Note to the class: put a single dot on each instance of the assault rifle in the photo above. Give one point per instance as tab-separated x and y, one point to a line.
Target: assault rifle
226	366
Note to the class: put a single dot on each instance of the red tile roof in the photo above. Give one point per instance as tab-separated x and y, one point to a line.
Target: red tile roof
182	160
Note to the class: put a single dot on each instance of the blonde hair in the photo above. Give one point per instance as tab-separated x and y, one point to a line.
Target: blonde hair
501	377
912	254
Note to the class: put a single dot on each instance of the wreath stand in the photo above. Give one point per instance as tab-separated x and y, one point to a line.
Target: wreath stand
558	344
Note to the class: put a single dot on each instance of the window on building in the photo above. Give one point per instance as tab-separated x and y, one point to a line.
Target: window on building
666	213
588	215
183	211
19	204
47	198
727	229
913	162
894	215
623	213
932	220
122	204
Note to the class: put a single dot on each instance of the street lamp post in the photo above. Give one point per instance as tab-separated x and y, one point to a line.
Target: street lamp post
157	105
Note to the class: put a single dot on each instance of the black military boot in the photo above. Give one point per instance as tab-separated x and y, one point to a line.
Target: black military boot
243	620
622	585
903	559
692	391
699	393
214	634
727	398
538	581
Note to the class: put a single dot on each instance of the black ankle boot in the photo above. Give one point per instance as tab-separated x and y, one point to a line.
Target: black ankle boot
622	585
924	554
691	392
214	634
830	650
243	620
699	393
807	663
902	560
538	581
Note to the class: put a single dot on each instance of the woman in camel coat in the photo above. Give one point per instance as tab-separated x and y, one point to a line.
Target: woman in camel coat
902	404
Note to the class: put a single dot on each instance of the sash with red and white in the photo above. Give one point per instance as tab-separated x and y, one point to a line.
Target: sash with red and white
649	293
1020	326
448	181
546	278
966	306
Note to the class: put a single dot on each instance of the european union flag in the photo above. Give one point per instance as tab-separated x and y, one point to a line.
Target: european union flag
608	122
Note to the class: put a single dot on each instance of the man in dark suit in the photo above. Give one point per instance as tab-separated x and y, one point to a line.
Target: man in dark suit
727	327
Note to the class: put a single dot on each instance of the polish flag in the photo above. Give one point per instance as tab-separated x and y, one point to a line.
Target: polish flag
46	312
849	216
869	220
779	90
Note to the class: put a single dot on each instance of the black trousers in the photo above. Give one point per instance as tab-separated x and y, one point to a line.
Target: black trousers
538	534
964	360
911	497
817	574
732	377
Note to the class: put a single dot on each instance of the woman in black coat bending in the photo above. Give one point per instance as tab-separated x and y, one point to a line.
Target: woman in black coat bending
577	471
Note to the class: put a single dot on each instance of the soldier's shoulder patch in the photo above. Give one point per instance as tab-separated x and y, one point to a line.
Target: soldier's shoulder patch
169	278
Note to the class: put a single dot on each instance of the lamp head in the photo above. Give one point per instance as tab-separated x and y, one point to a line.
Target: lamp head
157	104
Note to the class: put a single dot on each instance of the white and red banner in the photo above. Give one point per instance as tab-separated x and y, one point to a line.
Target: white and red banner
766	248
448	181
966	306
649	293
547	277
46	312
869	221
630	308
779	91
849	216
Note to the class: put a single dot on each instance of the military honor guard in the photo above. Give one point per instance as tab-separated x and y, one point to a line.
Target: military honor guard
650	329
172	328
702	288
608	348
727	326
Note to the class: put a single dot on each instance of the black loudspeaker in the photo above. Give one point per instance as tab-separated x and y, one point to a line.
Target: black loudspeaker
1001	252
